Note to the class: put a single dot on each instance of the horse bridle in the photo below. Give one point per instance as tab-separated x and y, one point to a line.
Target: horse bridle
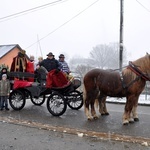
137	71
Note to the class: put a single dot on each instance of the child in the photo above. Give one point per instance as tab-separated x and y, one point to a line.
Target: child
3	71
4	92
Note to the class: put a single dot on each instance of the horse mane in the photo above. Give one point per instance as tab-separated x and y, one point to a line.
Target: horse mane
128	72
142	63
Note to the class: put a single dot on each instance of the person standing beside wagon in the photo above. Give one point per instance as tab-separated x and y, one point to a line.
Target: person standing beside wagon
4	92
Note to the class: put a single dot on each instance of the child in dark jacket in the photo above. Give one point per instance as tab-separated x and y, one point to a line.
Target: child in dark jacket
4	92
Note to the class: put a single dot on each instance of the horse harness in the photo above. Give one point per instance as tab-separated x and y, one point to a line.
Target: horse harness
137	71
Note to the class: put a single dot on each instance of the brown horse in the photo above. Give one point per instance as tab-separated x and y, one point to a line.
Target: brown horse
129	83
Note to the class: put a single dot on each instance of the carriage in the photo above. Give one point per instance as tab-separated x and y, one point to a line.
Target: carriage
58	98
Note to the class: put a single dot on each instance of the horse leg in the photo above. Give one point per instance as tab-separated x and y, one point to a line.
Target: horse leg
86	108
86	104
89	99
102	105
134	113
127	110
101	108
93	112
134	110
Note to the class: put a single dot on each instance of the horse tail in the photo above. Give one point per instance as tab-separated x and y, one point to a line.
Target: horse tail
84	94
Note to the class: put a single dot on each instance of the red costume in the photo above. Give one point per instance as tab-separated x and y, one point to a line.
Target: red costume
56	79
19	63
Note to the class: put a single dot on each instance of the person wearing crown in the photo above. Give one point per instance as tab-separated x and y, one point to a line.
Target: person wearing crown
19	63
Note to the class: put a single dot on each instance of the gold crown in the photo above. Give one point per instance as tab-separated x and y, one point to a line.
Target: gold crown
23	52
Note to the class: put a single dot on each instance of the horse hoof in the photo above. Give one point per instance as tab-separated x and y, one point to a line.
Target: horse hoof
102	114
126	122
107	114
136	119
89	119
95	117
131	121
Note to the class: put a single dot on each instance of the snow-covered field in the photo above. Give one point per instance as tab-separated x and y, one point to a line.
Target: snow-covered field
143	99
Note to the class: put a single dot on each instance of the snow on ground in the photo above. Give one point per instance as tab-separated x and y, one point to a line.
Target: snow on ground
143	99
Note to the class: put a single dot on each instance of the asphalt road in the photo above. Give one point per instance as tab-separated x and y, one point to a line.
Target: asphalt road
35	128
19	137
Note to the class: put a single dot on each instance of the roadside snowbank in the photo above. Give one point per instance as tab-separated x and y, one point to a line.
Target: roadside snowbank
143	100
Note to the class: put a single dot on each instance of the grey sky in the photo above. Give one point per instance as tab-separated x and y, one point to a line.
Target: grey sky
99	24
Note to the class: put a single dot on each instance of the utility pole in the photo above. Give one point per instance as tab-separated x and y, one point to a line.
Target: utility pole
121	36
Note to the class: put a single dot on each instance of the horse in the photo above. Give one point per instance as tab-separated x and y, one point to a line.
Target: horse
128	82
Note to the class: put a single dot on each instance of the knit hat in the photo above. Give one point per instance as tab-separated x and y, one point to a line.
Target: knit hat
4	75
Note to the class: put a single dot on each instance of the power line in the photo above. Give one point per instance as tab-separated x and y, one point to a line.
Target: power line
143	6
64	23
29	10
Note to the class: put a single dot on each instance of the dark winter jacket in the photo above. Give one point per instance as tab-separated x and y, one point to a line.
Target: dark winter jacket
40	74
50	64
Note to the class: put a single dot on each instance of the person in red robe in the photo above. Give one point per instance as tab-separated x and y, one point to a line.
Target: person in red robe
19	63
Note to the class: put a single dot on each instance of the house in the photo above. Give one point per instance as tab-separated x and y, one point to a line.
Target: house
7	53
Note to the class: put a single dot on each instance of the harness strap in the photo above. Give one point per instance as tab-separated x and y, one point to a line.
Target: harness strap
123	83
121	77
136	79
138	72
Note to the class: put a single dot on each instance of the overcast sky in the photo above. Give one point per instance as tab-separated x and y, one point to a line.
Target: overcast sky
74	27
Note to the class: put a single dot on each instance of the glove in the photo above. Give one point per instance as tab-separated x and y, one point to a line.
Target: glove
57	70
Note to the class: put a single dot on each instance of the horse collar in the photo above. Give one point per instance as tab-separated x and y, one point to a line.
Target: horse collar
137	71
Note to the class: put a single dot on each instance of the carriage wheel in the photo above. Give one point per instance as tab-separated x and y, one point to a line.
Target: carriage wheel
56	104
38	101
17	100
75	100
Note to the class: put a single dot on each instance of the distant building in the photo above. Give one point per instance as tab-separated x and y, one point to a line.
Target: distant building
7	53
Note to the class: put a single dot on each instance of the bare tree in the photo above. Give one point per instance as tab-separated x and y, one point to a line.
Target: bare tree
106	56
100	55
75	62
82	70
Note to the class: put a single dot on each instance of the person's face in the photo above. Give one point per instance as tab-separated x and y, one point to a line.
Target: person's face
4	70
61	58
4	77
51	57
40	59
